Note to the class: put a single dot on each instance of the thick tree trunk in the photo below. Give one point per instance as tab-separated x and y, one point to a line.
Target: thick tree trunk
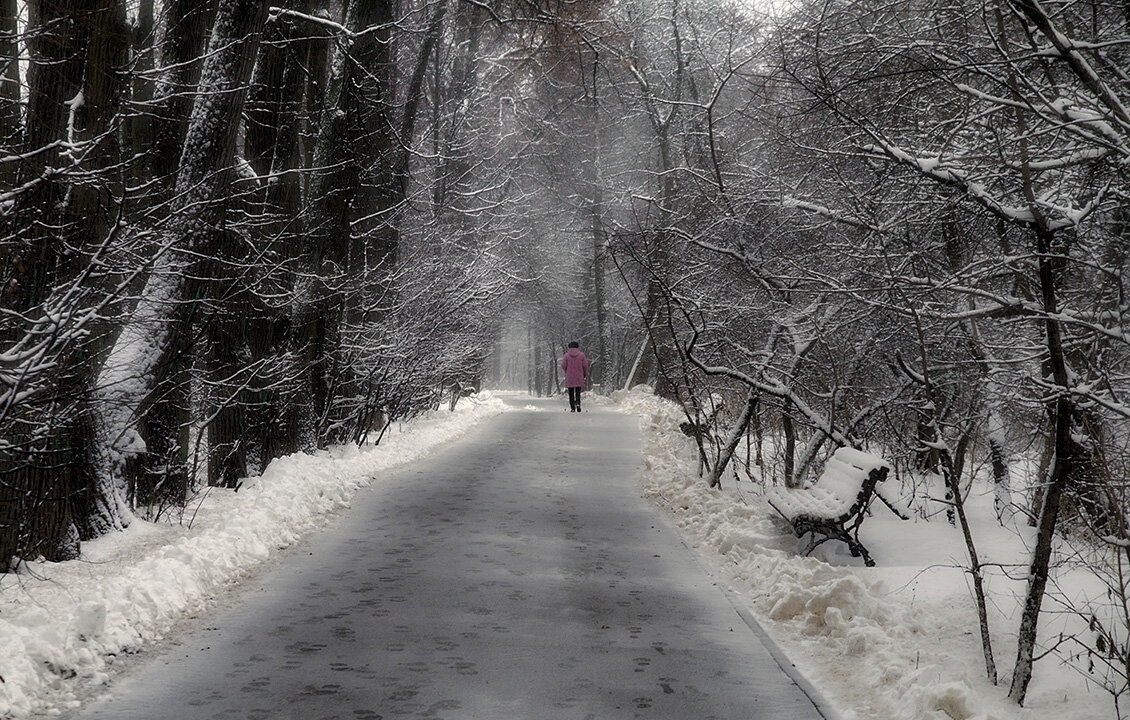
272	141
148	360
9	87
50	484
663	337
660	337
232	311
331	196
353	233
91	206
140	130
187	27
90	210
155	469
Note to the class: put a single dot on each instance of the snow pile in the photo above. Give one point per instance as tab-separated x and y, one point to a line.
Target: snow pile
896	642
62	621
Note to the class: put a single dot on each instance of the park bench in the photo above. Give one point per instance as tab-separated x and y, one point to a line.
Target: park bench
835	504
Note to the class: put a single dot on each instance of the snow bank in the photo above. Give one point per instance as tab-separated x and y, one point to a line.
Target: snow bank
62	622
894	642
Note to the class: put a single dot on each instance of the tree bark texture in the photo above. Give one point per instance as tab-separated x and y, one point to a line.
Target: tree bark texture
145	376
9	87
48	480
274	121
141	124
187	27
362	156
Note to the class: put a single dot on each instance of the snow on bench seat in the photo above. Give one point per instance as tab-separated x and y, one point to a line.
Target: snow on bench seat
809	501
835	504
835	492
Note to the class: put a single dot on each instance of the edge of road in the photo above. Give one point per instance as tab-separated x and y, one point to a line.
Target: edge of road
823	708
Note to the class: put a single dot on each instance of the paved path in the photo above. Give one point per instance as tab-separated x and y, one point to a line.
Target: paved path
516	576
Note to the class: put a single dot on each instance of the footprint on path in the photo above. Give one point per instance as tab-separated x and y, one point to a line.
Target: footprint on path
305	647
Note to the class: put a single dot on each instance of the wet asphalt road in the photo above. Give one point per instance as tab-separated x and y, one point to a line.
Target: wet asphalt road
516	575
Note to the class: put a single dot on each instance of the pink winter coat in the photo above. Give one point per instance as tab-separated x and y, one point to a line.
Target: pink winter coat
576	367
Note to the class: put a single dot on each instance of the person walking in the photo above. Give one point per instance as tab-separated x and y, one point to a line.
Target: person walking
576	368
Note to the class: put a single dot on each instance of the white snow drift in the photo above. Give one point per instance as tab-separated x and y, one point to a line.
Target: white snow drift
62	623
894	642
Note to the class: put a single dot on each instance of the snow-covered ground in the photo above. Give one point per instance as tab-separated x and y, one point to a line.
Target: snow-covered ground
62	623
898	641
